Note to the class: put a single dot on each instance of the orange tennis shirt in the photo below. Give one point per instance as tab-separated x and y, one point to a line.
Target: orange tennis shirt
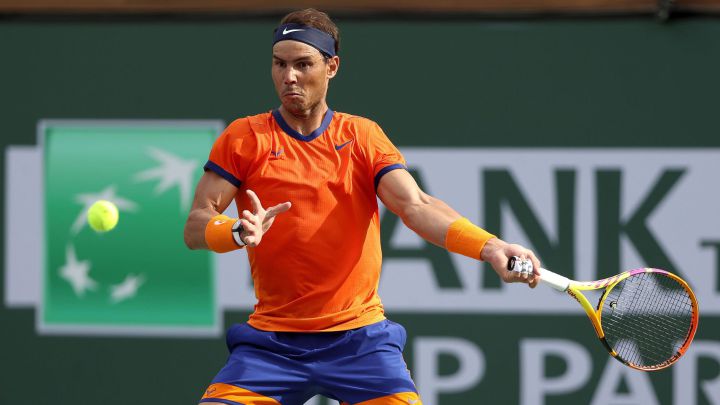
318	267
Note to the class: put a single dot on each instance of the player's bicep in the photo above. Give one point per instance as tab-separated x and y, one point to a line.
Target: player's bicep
213	192
398	190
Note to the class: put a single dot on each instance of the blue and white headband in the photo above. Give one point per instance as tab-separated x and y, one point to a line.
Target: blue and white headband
319	40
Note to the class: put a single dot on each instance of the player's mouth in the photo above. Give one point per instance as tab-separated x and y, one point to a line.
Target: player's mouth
292	93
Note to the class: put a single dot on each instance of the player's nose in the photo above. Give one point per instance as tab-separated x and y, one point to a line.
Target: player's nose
290	77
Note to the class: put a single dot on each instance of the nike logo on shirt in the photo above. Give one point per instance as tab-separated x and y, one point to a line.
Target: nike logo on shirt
287	31
342	145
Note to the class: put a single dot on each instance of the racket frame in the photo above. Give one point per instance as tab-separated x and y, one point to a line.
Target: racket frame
575	288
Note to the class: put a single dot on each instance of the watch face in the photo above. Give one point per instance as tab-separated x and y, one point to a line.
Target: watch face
237	233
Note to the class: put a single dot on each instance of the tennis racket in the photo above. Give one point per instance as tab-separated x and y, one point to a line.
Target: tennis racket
646	318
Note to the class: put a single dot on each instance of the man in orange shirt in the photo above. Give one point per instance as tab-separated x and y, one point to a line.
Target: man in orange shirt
319	325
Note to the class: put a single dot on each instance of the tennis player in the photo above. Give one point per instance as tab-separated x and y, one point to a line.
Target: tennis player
318	325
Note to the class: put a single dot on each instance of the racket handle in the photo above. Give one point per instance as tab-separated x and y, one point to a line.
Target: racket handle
553	280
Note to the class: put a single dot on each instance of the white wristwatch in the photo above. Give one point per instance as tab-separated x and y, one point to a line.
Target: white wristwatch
237	229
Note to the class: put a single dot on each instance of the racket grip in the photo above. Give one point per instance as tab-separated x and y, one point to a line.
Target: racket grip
553	280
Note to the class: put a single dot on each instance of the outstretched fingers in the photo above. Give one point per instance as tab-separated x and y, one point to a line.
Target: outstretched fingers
254	201
257	222
277	209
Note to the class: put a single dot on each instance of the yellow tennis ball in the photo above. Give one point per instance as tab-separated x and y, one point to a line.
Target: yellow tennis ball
102	216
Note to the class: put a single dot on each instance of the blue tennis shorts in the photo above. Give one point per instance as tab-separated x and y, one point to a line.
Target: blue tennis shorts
363	365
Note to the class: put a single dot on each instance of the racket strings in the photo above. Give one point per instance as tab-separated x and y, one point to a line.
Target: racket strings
657	327
655	348
646	318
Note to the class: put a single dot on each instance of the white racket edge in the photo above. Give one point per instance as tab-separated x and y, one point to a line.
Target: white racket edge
554	280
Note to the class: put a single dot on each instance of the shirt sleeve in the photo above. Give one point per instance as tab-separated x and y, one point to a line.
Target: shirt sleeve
384	156
232	153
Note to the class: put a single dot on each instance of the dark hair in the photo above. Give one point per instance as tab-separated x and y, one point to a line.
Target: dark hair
315	19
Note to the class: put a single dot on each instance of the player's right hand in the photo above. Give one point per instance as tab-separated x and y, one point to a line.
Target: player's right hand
259	221
497	252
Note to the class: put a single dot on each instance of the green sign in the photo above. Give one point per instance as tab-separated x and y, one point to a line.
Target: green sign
139	278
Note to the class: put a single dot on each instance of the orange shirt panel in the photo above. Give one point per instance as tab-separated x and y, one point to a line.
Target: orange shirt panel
318	268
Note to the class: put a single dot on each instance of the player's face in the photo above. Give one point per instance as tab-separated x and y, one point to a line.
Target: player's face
301	75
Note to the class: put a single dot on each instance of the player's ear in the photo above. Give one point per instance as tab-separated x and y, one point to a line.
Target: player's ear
332	65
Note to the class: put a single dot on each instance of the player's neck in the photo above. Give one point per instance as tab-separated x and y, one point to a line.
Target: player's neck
305	121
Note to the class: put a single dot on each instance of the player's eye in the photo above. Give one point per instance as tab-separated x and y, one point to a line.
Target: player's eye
303	65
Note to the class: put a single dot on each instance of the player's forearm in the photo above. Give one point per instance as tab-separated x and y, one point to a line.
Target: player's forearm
195	227
441	225
430	219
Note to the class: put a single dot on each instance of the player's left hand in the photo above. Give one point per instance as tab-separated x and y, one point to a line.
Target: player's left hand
259	221
497	252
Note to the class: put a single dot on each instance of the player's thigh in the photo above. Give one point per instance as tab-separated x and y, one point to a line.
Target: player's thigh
372	368
258	372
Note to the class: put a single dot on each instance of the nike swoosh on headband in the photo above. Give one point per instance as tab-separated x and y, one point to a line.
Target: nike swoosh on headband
320	40
287	31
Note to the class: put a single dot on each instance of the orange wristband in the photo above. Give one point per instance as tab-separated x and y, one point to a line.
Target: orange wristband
466	238
219	234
